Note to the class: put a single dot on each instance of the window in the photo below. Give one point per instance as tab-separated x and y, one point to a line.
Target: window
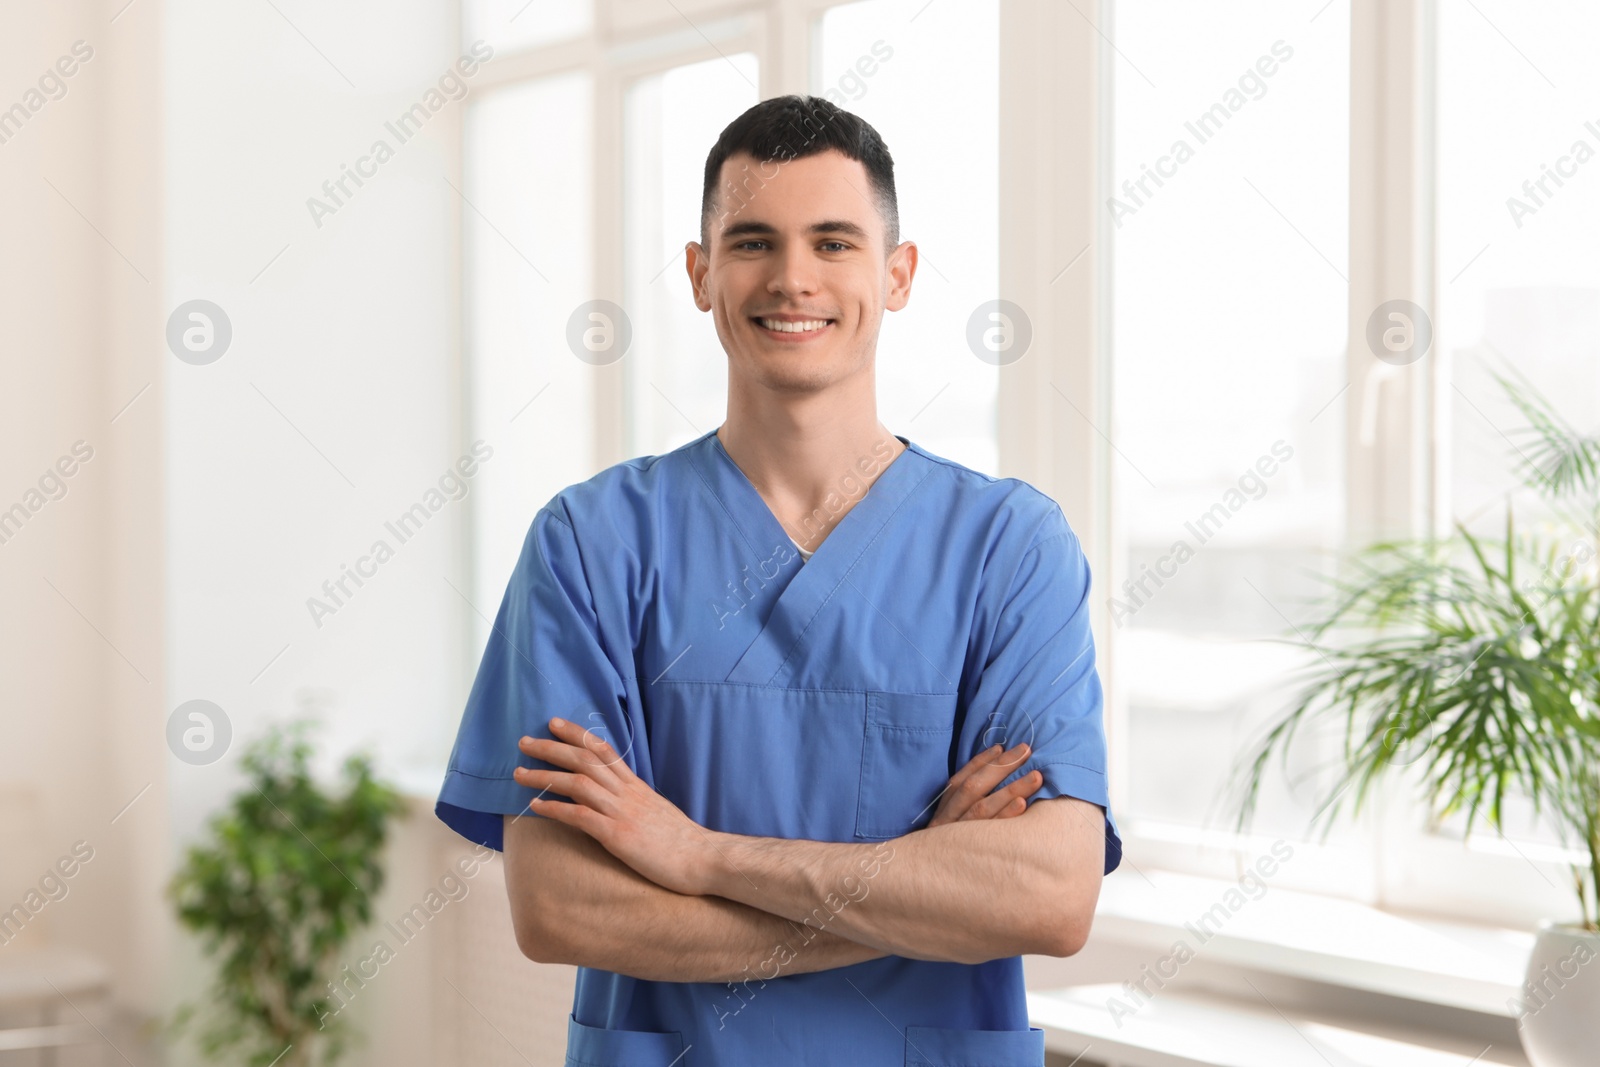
1228	299
1256	251
525	270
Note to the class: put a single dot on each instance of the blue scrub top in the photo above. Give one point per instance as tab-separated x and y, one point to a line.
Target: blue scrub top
662	605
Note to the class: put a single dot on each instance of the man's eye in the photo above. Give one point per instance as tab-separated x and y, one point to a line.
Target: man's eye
746	244
842	247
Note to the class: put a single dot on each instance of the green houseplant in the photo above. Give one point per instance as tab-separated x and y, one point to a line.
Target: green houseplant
1477	662
287	877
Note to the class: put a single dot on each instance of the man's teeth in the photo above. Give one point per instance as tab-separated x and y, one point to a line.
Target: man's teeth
793	327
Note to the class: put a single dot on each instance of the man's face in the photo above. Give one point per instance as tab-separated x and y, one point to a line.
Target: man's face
795	273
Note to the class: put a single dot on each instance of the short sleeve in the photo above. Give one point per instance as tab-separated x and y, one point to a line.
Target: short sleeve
545	657
1039	683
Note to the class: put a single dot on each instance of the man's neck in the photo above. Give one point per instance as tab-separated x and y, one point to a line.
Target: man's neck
810	477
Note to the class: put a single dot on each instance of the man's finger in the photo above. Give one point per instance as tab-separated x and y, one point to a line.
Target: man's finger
574	815
557	753
973	782
983	758
579	787
1002	802
575	748
988	770
594	740
604	752
988	767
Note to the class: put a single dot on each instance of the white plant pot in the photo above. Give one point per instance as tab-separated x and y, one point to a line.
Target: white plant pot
1559	1010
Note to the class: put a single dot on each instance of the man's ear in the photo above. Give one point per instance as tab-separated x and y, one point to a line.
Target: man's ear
696	262
902	268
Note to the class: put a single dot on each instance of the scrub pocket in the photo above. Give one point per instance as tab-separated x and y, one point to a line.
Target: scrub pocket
593	1046
905	761
931	1046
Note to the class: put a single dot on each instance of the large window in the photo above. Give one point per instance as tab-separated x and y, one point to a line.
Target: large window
1238	381
1228	297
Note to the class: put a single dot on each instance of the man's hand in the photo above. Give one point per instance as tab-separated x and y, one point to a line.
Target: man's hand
967	796
651	835
614	806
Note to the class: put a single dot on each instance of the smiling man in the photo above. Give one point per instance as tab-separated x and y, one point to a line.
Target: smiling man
792	736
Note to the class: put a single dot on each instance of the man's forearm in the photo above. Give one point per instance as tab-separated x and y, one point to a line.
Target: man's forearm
964	892
586	907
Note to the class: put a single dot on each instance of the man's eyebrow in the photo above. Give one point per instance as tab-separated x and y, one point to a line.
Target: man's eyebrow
741	229
844	226
751	227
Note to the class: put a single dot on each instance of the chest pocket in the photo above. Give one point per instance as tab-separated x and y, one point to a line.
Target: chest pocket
905	761
758	760
929	1046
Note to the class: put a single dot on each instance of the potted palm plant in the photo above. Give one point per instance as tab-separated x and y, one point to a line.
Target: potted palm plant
1477	662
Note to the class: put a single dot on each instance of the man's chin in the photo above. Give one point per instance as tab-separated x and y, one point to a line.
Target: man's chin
781	374
797	382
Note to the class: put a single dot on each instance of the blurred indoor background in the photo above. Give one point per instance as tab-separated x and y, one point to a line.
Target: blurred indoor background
241	344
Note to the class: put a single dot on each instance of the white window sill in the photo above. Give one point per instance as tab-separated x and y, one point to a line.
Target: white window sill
1323	939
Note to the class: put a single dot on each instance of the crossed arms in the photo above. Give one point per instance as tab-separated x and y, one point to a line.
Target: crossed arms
621	880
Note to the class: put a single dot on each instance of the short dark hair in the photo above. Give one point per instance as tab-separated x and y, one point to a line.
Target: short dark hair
790	127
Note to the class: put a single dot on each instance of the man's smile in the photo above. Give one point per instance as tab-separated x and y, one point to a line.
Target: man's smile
789	329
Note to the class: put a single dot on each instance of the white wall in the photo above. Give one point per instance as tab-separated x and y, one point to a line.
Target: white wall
82	647
178	564
333	411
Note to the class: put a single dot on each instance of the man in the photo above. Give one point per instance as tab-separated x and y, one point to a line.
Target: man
730	684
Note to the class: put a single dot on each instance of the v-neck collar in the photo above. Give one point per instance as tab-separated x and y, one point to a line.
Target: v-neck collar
765	521
811	585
